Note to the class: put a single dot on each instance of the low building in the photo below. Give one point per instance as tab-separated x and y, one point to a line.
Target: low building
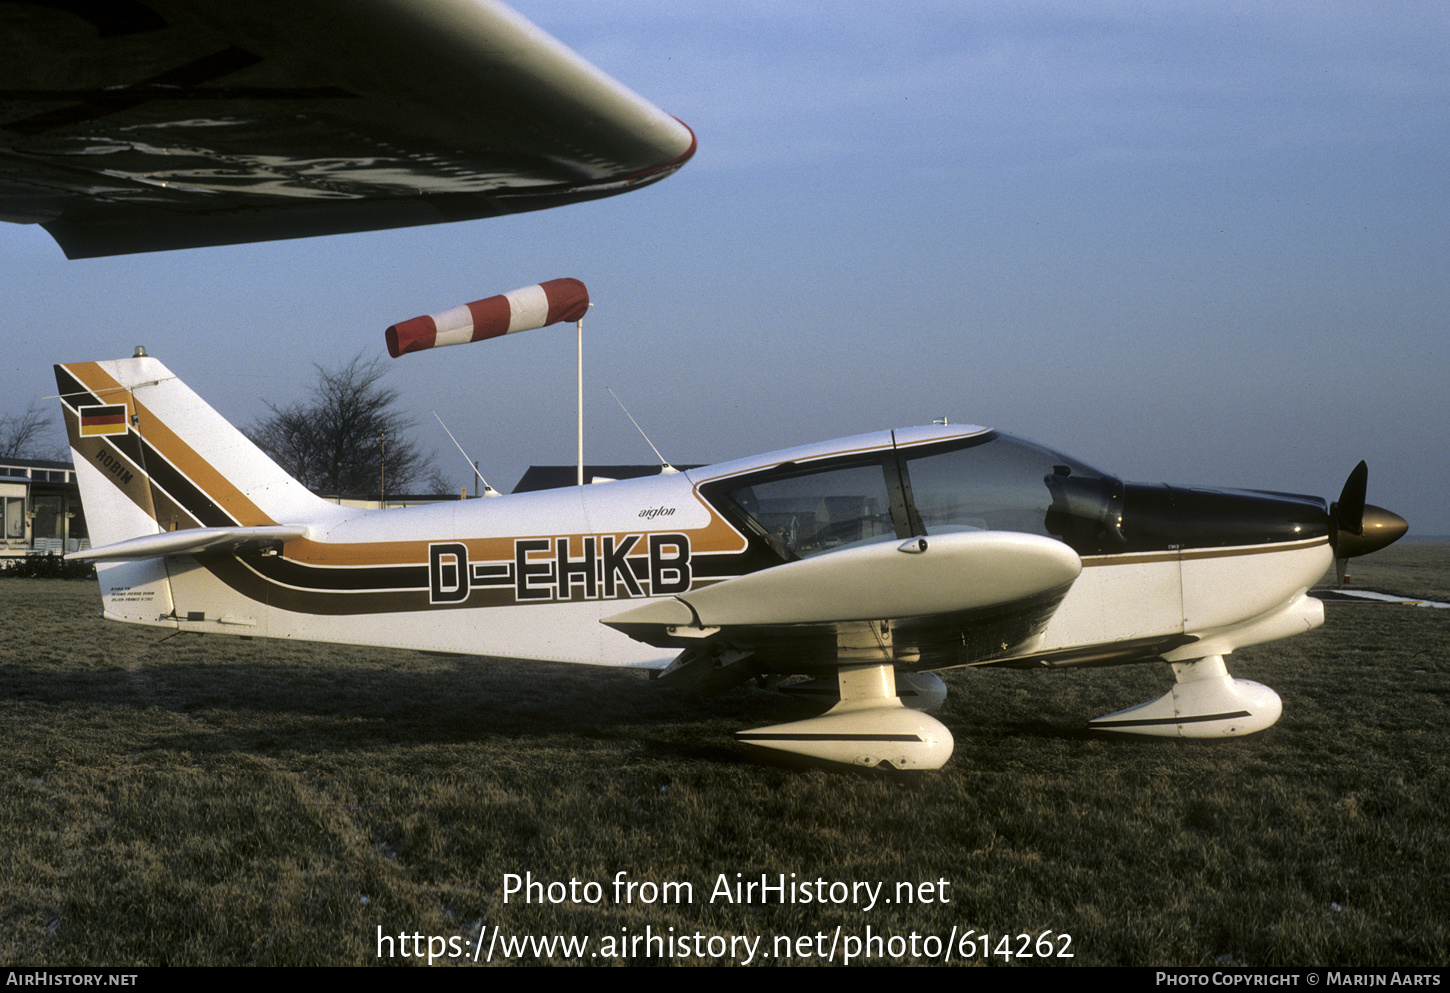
42	508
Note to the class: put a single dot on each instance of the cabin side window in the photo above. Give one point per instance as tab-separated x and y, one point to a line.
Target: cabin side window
807	513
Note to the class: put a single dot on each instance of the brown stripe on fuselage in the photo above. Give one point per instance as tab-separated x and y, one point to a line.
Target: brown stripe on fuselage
243	577
1128	558
1279	546
247	578
716	537
1195	554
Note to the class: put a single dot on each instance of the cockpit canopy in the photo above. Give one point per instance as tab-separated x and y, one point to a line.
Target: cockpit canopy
985	482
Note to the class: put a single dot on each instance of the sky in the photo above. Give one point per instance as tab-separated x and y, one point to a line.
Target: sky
1186	242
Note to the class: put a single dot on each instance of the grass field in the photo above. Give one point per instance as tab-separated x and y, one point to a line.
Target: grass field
203	801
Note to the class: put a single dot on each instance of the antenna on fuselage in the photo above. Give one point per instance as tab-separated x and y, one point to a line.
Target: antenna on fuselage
665	467
488	491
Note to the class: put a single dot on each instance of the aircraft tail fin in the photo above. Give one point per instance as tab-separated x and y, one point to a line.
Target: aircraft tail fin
152	457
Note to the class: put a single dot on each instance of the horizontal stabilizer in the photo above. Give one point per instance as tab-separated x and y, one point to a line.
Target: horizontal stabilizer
193	540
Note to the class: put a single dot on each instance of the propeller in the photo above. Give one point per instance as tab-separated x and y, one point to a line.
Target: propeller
1358	528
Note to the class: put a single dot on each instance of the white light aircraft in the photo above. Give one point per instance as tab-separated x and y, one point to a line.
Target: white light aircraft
145	125
864	563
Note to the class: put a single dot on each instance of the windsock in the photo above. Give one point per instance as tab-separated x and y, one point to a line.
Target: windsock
520	310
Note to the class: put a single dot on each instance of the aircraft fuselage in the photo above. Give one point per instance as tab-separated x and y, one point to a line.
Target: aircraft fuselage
856	559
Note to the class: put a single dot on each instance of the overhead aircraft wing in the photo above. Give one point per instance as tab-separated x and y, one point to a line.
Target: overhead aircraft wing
144	125
927	602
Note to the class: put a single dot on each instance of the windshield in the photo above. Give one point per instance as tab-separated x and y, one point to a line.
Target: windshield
1007	484
987	483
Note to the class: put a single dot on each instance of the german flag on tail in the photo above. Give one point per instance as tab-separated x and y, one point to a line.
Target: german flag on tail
107	419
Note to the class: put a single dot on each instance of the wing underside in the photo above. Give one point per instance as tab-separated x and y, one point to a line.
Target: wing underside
143	125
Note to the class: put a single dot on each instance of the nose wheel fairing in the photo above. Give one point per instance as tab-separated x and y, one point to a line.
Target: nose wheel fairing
1205	702
868	727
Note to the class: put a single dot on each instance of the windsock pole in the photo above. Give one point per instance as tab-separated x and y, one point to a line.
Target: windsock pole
579	328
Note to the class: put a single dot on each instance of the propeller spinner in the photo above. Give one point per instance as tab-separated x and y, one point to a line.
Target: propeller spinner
1358	528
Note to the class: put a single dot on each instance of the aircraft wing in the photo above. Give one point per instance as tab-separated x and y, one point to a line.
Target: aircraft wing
145	125
949	599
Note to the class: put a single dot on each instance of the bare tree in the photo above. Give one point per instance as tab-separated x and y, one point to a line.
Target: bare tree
348	438
27	436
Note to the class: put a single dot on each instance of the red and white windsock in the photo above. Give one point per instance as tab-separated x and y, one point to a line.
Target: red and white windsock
521	310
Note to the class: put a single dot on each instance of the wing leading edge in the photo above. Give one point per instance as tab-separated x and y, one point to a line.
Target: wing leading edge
145	125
